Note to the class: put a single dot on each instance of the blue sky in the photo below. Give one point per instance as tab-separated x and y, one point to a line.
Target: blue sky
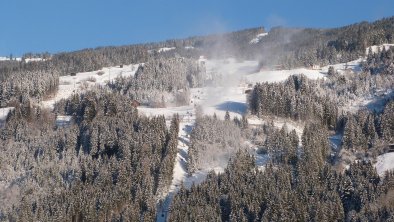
66	25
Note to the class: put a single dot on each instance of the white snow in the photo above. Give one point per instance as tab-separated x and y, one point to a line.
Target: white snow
180	174
2	58
189	47
374	102
384	163
354	66
278	123
281	75
376	48
63	120
4	112
82	81
165	49
27	60
258	38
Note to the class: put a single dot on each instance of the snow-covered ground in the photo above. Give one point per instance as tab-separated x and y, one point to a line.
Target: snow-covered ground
4	112
27	60
180	174
230	95
384	163
354	66
280	75
3	58
82	81
376	48
258	38
374	103
164	49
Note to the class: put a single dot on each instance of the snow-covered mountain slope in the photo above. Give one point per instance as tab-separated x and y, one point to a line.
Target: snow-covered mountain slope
82	81
228	95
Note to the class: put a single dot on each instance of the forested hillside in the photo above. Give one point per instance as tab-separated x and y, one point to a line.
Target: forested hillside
224	127
109	165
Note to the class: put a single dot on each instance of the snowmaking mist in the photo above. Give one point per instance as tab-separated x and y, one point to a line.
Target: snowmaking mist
272	50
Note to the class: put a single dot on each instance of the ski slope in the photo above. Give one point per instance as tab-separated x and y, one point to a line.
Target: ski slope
228	95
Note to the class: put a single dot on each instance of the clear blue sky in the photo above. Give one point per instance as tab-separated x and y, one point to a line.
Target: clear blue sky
66	25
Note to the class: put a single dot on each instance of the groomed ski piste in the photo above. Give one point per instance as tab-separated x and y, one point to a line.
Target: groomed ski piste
229	96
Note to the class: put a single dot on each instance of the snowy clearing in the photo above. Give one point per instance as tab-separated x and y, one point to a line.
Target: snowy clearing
4	112
3	58
164	49
258	38
27	60
374	103
281	75
376	48
82	81
384	163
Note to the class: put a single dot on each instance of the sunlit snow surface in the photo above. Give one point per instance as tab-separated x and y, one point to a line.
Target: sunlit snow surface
4	112
384	163
376	48
258	38
81	81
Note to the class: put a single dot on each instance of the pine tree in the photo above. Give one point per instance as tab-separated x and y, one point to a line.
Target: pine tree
227	116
